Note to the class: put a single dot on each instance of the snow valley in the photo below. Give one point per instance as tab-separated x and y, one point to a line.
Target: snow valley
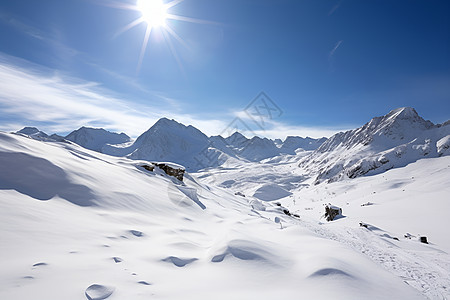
175	214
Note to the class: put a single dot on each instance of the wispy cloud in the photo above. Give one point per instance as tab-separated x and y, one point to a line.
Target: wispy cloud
338	44
51	39
21	26
331	55
334	8
31	95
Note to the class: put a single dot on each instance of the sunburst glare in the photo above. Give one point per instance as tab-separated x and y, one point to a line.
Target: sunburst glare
155	14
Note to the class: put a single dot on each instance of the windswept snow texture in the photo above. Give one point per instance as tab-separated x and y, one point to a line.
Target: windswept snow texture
394	140
96	138
226	251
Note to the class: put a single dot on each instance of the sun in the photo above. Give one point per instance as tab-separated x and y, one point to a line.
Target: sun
154	12
157	17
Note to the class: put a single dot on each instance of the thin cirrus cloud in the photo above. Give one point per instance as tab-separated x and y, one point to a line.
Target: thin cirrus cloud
21	26
32	96
334	8
338	44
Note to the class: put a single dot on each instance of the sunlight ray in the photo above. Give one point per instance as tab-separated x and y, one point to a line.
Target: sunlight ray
144	47
174	53
129	26
154	13
173	3
191	20
116	4
176	36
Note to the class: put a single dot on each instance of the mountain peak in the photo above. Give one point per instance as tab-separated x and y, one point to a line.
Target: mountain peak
236	134
28	130
96	138
404	119
34	133
403	113
166	122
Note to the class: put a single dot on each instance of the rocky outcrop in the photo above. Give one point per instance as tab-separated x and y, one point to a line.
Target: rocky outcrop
332	212
170	169
173	170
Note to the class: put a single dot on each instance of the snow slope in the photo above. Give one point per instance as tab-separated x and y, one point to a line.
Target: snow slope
409	200
78	224
295	143
394	140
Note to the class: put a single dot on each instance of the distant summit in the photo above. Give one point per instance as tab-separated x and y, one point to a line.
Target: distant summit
166	140
33	132
96	138
394	140
169	140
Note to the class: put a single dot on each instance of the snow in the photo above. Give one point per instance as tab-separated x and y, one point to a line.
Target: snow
394	140
412	199
170	164
443	146
186	145
167	140
76	223
294	143
53	247
96	138
270	192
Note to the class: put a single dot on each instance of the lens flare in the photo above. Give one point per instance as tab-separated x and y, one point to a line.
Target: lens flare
154	12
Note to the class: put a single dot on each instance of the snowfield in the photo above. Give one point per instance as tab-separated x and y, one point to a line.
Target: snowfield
78	224
248	224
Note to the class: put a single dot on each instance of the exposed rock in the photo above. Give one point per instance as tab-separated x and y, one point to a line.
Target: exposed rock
148	168
170	169
331	212
423	239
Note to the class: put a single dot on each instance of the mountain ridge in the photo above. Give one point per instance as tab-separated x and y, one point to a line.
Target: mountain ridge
393	140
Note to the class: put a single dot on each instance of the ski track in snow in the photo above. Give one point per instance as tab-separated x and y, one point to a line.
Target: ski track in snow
428	272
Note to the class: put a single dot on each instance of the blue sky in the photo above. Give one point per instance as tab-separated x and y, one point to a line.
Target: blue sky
327	65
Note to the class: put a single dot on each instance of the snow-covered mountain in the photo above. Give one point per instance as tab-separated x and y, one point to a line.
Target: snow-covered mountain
386	142
168	140
99	227
240	147
293	143
96	138
77	222
36	134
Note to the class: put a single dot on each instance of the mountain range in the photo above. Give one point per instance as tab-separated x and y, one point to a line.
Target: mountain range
249	224
393	140
168	140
